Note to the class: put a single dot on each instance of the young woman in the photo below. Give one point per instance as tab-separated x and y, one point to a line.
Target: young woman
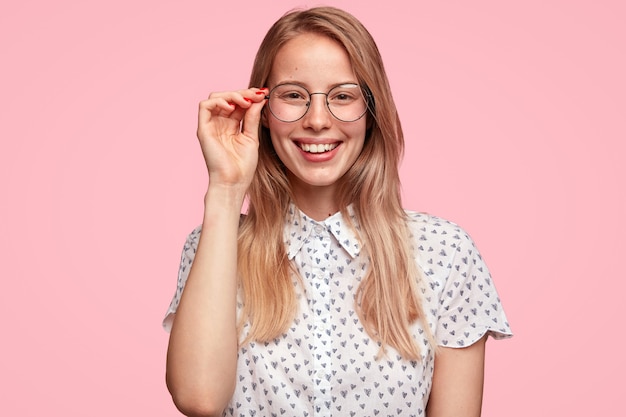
326	298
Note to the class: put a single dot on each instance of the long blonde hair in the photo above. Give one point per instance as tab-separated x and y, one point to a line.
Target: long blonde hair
387	299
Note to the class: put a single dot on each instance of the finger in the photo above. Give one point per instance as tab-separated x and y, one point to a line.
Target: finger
215	107
230	104
245	100
242	98
252	119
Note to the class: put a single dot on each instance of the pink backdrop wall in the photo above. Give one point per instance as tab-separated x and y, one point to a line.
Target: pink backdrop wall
514	114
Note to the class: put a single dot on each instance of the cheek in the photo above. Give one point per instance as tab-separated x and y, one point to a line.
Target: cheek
279	132
359	130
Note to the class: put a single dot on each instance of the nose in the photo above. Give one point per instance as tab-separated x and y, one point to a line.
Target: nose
318	115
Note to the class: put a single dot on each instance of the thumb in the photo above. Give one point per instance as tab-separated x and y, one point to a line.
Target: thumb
252	119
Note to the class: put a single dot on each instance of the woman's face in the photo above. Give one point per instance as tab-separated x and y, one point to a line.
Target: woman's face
317	149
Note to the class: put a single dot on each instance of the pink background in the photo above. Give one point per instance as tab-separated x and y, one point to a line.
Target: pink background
514	115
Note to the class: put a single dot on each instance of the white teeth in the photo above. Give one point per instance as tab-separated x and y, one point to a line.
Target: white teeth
318	148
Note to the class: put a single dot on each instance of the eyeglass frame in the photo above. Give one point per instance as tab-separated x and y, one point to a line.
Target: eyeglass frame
367	97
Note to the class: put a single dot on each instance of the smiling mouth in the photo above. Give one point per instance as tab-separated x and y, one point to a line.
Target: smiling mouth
317	148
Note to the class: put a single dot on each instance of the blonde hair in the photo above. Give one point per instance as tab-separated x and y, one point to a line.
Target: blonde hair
387	298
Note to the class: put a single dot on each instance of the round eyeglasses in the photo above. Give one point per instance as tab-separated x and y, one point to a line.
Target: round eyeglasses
290	102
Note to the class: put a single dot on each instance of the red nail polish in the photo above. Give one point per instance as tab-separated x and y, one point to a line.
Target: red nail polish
260	92
248	100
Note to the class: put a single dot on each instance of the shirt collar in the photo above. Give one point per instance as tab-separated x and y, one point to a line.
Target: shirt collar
299	226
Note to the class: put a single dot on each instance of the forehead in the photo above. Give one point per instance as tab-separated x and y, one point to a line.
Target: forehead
313	60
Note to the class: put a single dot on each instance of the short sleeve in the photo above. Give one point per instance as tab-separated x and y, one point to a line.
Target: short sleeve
469	305
460	298
186	259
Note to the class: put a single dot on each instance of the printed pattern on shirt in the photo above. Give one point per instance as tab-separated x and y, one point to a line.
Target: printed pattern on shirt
325	365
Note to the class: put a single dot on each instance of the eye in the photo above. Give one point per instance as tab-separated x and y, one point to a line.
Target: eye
342	97
344	94
293	96
291	93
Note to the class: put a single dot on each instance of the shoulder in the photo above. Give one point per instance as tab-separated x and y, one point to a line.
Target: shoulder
442	247
424	226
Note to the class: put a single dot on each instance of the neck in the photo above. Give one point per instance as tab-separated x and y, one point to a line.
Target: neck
318	203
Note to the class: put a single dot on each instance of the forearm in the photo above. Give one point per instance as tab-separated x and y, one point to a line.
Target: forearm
202	354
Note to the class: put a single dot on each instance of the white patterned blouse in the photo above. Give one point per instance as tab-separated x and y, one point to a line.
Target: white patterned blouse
325	364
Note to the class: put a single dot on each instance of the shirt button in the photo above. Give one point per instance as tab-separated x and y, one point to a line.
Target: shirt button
321	374
318	229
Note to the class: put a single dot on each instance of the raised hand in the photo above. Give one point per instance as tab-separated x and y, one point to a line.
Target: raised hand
228	125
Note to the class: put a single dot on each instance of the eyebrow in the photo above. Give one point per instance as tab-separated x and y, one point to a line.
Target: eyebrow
302	84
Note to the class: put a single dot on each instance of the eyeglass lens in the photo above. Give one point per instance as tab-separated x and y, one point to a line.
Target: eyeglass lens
290	102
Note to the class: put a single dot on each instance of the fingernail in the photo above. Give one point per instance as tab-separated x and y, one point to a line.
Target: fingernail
260	92
248	100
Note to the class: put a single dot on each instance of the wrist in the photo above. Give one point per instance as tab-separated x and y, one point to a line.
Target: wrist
225	196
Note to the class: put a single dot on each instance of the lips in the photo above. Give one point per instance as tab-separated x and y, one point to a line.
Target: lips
317	148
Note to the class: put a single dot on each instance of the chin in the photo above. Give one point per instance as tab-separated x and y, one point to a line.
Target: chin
316	181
